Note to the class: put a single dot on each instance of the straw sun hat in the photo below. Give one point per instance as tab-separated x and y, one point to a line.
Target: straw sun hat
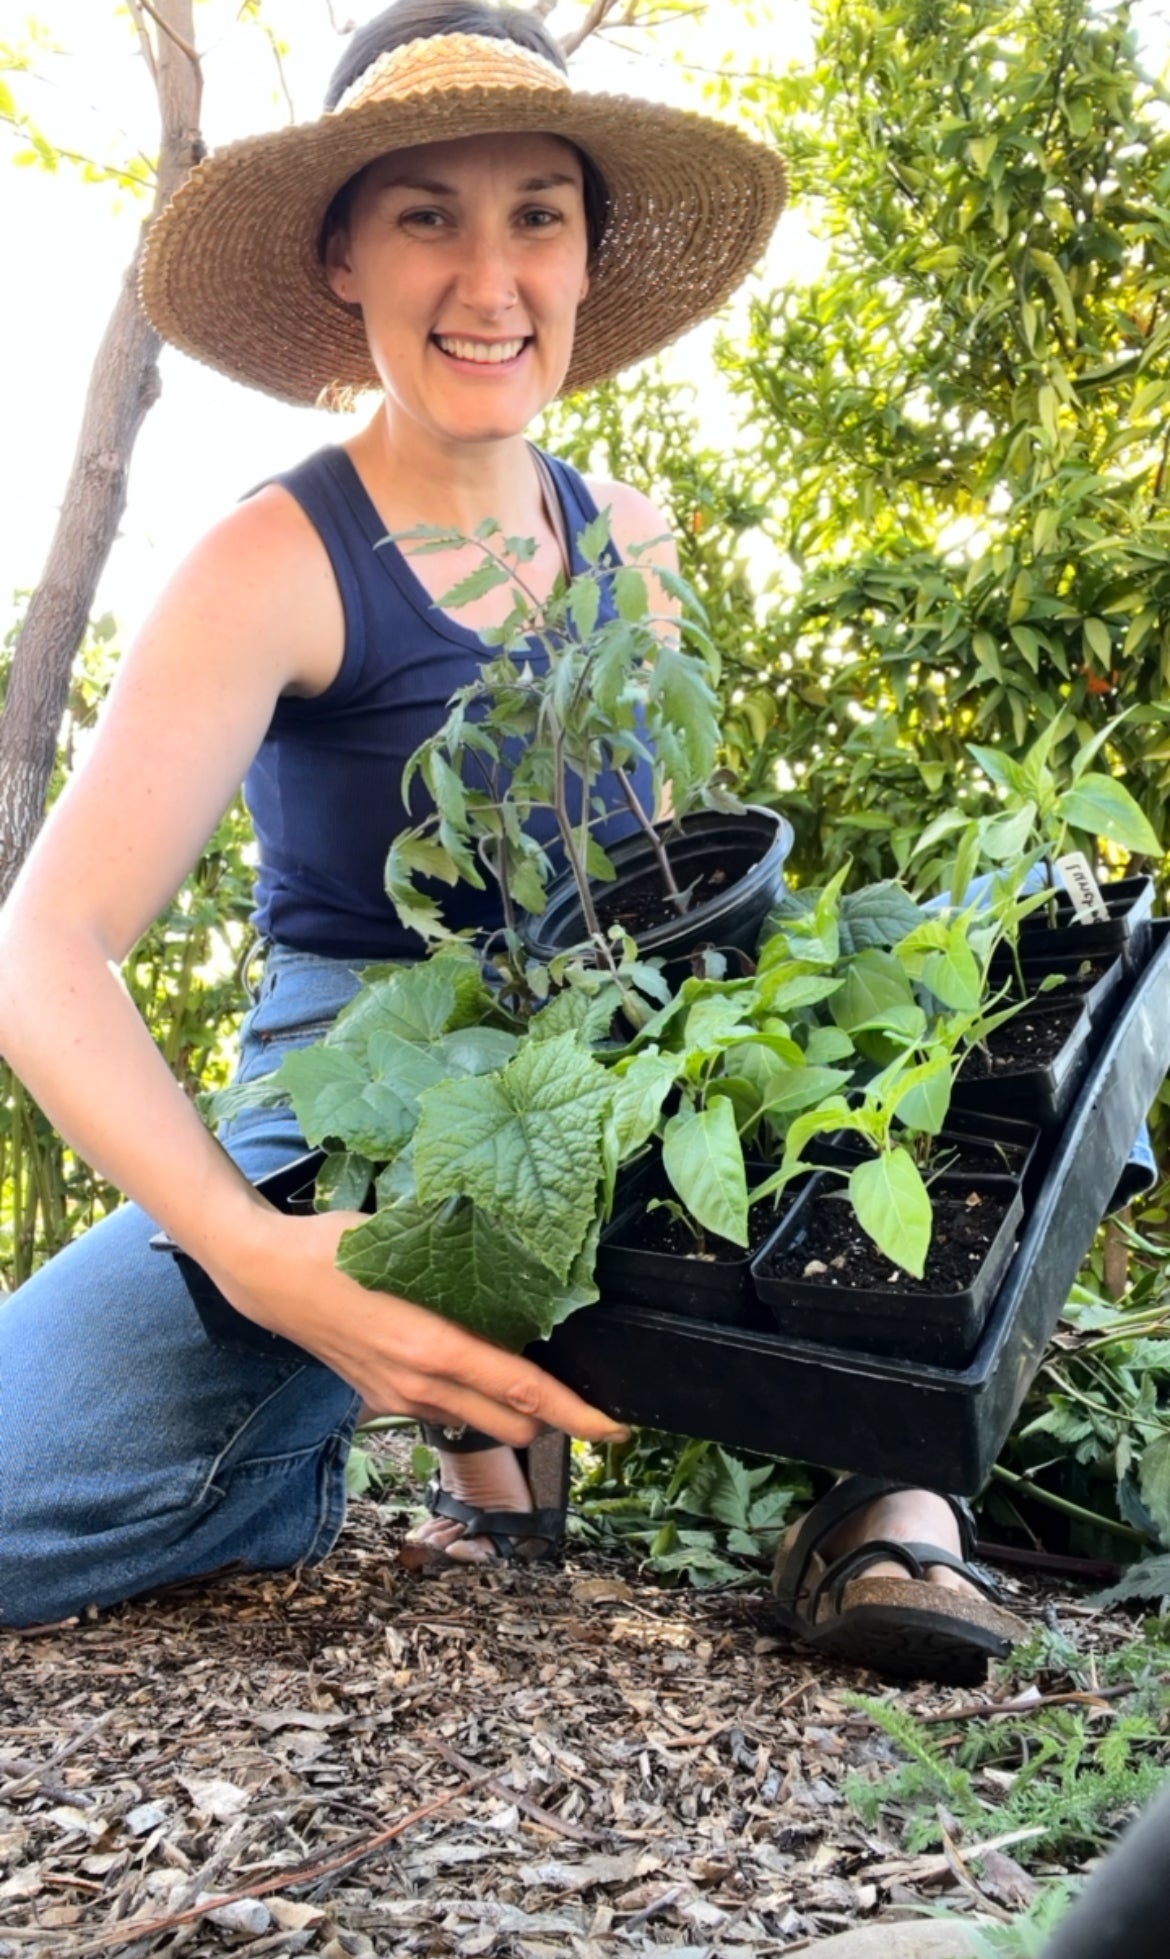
233	274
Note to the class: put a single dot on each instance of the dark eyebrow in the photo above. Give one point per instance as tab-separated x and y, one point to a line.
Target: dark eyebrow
430	185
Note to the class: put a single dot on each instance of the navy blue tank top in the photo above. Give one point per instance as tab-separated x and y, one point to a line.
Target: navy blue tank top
325	789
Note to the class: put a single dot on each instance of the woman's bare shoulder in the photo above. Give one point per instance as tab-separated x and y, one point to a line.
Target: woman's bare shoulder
637	524
263	574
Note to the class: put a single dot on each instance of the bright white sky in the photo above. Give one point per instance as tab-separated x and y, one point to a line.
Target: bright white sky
67	242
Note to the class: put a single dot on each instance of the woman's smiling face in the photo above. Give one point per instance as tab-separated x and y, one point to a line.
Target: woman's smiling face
468	260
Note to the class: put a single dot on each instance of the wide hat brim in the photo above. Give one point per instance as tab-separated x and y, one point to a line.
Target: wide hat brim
232	271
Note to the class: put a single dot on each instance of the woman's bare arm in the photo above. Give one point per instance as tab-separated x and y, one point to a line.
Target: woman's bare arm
254	613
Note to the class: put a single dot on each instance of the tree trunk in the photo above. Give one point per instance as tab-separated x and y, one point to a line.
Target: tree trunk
123	387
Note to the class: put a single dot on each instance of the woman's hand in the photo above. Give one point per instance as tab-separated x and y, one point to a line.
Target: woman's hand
401	1359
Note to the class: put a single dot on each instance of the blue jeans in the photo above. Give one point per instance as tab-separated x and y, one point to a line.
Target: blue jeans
133	1452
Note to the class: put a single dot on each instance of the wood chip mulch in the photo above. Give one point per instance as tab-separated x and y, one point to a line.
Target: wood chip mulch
352	1760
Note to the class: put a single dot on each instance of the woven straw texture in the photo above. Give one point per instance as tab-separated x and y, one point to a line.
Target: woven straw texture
232	273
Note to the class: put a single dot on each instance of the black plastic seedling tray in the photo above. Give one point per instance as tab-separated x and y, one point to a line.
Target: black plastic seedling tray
942	1427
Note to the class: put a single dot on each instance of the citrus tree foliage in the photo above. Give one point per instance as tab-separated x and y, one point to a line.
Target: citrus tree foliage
957	434
968	412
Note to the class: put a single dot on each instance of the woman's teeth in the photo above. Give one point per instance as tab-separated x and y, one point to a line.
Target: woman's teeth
490	352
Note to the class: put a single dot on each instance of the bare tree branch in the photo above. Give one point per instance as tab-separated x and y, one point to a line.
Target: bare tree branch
274	44
123	386
184	43
633	13
185	47
144	40
594	19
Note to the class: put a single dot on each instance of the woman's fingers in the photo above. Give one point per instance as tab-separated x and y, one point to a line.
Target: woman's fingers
401	1358
469	1380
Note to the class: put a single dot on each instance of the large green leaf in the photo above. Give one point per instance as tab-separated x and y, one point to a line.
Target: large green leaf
722	1487
923	1099
343	1182
640	1087
629	588
784	988
525	1144
1001	769
826	1045
1004	838
714	1022
370	1108
453	1259
875	987
877	915
1155	1484
953	975
893	1208
681	694
473	1050
416	1002
800	1088
587	1014
703	1158
1106	809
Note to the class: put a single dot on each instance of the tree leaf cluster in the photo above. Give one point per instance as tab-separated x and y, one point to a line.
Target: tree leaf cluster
941	516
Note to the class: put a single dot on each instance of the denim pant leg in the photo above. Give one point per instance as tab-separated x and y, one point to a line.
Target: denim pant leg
133	1452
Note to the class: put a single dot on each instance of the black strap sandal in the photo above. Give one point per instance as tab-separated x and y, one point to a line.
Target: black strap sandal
904	1628
519	1536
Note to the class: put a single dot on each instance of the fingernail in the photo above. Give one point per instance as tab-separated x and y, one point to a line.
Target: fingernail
617	1435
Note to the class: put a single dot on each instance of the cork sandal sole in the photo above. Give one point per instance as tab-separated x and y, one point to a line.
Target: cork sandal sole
908	1629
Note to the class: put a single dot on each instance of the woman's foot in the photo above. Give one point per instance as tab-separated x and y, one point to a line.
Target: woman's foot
880	1576
490	1479
490	1503
908	1517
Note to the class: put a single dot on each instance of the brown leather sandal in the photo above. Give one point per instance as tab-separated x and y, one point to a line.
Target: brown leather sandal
518	1536
904	1628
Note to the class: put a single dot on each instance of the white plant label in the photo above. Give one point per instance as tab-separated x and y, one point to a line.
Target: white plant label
1082	888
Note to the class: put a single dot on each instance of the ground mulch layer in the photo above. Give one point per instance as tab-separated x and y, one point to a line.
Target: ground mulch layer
524	1763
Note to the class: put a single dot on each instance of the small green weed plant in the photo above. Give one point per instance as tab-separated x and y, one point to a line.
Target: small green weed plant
1064	1777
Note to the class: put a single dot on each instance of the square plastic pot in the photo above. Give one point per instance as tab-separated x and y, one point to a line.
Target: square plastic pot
1100	989
972	1142
716	1289
1042	1094
910	1320
1130	903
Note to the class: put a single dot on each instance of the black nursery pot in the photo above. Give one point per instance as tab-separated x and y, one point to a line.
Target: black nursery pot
1041	1093
1100	989
1096	979
717	1289
738	858
907	1320
1130	904
291	1190
973	1142
976	1143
